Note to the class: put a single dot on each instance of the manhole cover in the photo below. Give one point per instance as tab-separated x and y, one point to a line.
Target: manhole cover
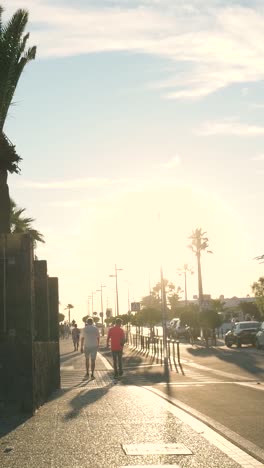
156	449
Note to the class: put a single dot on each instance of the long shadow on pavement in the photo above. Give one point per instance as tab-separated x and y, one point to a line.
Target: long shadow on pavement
84	399
245	360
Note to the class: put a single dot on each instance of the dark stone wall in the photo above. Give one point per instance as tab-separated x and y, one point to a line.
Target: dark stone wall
53	285
29	373
46	371
16	376
42	322
16	287
29	360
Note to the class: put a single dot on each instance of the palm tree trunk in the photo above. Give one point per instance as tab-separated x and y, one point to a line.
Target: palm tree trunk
200	284
4	203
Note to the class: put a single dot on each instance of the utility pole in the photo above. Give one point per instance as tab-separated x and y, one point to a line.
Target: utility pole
102	307
184	271
115	276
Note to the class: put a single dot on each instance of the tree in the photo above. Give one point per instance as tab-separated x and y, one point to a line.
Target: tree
199	243
150	301
13	58
69	307
190	315
21	224
147	317
210	319
61	317
250	310
258	290
173	300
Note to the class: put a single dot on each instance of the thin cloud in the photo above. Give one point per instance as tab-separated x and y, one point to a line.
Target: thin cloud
173	162
89	182
230	127
217	44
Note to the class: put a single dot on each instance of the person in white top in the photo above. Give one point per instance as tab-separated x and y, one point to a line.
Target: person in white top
89	345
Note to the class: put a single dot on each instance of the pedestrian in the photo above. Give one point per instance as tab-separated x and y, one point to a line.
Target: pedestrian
75	337
117	337
89	345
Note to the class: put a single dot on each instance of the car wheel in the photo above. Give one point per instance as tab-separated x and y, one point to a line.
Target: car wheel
228	344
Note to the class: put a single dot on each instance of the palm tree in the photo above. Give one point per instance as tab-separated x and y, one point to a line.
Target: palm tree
69	307
199	242
21	224
259	258
13	58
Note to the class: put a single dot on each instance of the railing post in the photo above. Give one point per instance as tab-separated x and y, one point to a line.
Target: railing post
178	351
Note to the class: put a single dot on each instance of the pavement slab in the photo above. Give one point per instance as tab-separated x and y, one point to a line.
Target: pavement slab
91	423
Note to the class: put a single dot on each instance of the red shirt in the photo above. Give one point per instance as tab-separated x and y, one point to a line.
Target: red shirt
116	334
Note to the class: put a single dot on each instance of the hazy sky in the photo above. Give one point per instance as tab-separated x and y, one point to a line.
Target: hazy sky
134	108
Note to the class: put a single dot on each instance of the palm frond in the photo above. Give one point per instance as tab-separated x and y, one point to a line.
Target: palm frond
13	58
1	23
259	257
23	224
9	158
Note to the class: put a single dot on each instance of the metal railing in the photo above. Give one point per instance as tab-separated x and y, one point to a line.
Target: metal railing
152	346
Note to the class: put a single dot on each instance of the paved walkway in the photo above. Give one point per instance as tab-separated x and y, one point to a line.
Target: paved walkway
102	424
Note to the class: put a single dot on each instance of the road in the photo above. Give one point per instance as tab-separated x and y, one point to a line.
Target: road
225	385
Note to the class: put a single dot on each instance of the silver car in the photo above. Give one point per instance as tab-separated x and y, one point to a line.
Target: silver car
260	337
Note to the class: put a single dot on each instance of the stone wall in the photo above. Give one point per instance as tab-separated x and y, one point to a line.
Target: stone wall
29	328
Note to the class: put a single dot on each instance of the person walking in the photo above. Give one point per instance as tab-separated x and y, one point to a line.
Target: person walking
75	337
117	337
89	345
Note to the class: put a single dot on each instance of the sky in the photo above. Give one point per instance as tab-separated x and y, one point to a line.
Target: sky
138	122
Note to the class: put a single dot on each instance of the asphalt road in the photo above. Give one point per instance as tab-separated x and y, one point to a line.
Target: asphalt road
224	384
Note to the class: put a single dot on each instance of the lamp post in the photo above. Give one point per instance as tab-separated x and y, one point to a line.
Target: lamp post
184	271
164	326
92	295
115	276
163	307
89	297
102	307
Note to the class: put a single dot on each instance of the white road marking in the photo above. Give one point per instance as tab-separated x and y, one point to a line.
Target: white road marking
184	413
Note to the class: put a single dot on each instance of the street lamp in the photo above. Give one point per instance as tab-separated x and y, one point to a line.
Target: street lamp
93	292
102	307
115	276
184	271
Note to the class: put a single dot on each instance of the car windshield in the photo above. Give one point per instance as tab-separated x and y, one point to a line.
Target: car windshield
249	325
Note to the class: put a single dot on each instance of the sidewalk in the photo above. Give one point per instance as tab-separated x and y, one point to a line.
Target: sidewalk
100	424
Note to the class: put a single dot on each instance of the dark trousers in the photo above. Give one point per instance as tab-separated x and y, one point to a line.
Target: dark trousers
117	361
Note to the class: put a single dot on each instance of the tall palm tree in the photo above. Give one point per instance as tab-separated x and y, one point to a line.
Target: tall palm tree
69	307
13	58
199	243
21	224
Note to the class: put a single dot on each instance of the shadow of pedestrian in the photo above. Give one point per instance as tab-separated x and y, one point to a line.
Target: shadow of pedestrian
84	399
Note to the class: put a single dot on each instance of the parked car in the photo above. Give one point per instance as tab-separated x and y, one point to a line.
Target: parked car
242	333
259	340
176	330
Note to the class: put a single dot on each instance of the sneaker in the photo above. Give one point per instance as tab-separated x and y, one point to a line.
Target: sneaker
92	377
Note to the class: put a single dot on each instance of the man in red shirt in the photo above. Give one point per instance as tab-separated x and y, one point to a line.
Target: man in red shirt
117	337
